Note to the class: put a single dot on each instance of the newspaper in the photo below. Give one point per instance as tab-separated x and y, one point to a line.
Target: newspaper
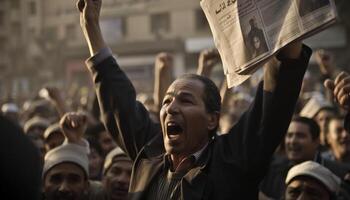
248	32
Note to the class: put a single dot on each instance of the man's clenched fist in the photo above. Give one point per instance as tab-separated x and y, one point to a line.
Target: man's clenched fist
73	126
340	88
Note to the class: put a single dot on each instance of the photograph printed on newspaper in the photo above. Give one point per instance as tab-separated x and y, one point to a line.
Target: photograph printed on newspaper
248	32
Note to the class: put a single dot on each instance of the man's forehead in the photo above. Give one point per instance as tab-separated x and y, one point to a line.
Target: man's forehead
122	164
185	86
67	167
301	127
306	182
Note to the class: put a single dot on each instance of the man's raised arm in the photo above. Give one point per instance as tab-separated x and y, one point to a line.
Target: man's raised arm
89	21
127	120
262	127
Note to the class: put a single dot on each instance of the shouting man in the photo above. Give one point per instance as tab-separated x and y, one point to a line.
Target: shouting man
183	158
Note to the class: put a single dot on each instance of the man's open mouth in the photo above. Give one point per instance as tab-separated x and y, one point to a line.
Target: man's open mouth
173	130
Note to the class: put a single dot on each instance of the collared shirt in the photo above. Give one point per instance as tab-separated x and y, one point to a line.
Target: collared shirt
199	153
189	161
167	184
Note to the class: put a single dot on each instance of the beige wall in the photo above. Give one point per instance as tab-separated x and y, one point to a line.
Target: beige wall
136	15
138	28
55	26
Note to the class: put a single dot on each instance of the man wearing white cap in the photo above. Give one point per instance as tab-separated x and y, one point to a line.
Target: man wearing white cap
116	174
66	168
310	180
66	172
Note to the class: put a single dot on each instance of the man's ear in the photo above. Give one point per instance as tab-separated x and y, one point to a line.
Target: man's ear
213	120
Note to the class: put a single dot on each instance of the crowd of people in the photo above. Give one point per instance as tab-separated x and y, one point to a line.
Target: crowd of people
285	136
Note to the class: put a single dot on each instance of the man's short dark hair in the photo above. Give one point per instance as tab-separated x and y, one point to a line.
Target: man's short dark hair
211	96
312	124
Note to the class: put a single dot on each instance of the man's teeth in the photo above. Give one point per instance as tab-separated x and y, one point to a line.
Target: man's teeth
172	124
173	136
173	128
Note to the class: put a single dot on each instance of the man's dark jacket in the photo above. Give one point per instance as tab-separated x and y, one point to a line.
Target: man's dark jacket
232	165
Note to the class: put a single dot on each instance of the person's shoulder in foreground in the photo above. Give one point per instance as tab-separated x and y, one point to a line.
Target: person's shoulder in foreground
21	163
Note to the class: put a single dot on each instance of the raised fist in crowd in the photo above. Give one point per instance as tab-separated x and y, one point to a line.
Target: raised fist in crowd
340	87
164	61
208	58
89	11
89	21
73	125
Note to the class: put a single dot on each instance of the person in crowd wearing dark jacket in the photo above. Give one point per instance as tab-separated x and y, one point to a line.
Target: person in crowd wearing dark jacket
301	144
182	157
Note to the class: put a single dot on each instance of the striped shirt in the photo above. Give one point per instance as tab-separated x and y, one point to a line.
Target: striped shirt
167	185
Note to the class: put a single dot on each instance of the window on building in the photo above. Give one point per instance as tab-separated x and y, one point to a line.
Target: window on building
160	23
32	8
113	29
201	20
15	4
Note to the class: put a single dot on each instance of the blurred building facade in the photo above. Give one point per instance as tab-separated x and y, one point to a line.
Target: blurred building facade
49	45
43	42
11	48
